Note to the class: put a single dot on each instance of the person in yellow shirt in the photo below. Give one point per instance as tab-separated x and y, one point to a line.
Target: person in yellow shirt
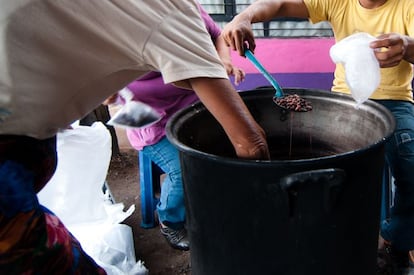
392	23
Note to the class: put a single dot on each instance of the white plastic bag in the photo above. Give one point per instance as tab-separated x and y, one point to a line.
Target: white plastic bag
75	195
111	246
134	114
362	71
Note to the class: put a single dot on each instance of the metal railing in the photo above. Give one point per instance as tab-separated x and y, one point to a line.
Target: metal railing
222	11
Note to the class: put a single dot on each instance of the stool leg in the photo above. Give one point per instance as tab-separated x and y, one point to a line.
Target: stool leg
386	197
148	203
156	184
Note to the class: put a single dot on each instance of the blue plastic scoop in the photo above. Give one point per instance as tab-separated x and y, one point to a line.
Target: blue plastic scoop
267	75
290	102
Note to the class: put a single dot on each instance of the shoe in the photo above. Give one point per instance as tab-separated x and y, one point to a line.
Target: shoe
391	261
400	261
178	239
384	266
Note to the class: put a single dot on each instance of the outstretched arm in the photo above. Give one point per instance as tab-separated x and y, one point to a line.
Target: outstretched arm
238	32
221	46
224	52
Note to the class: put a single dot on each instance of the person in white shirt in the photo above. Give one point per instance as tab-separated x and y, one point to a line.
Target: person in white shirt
60	60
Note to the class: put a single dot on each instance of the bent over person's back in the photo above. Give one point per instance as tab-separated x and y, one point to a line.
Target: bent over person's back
59	61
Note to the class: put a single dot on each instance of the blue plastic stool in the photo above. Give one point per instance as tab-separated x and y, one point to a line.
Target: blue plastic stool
149	178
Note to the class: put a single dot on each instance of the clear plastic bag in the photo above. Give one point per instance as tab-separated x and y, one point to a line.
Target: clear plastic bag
134	114
362	71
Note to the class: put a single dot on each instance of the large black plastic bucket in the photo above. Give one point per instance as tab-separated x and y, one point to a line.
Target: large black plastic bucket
313	209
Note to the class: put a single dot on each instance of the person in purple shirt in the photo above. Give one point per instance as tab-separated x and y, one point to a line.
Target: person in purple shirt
167	99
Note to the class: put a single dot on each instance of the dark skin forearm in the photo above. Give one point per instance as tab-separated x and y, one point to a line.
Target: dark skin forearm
225	56
226	105
409	51
239	30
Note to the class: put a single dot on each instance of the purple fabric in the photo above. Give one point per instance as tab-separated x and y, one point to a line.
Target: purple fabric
212	28
165	98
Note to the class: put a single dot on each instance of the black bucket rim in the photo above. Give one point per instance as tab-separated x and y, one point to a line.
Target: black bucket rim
198	107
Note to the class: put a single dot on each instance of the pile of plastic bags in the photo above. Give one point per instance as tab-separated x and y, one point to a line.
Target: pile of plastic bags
75	194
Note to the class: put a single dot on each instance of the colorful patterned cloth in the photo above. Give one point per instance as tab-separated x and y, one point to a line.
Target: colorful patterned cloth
32	239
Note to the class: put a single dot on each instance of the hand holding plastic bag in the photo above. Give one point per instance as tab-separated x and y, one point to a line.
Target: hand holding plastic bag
362	71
